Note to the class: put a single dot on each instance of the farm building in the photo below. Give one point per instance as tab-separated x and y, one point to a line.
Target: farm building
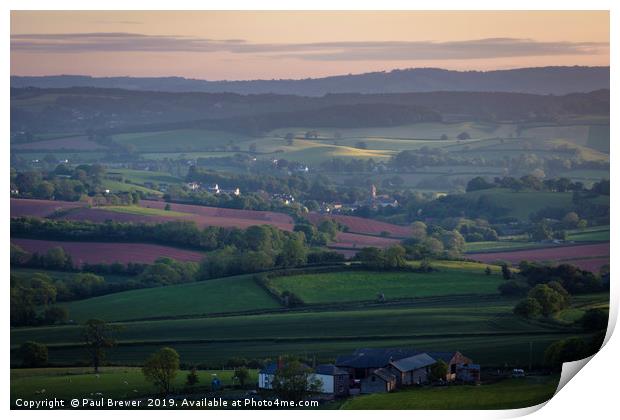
412	370
452	359
468	373
265	376
380	380
334	381
363	362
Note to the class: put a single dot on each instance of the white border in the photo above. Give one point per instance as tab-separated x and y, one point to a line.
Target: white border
592	394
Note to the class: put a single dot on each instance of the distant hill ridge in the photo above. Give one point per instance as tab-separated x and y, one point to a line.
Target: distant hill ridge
539	80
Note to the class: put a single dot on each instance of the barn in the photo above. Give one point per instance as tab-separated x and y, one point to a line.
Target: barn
380	380
363	362
452	359
412	370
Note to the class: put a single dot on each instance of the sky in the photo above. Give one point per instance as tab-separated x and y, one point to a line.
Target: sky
238	45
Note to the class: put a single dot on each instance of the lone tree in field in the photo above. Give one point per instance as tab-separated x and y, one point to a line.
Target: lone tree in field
192	378
98	338
161	368
463	136
33	354
242	374
506	273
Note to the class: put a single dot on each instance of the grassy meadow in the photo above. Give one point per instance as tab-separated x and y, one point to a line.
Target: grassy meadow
463	323
111	382
231	294
351	286
506	394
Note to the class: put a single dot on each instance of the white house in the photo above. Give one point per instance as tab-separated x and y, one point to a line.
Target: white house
193	186
265	376
333	380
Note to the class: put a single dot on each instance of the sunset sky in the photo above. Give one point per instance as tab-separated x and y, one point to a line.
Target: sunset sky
251	45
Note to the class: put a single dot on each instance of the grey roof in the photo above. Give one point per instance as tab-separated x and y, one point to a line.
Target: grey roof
385	374
414	362
367	358
330	370
446	356
470	366
373	358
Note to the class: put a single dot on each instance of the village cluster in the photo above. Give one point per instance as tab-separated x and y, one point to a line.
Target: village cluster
375	370
373	200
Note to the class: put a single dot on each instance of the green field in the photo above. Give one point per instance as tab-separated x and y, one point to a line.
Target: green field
351	286
117	186
457	307
185	140
140	177
506	394
593	234
468	324
598	137
145	211
521	204
580	304
214	296
111	382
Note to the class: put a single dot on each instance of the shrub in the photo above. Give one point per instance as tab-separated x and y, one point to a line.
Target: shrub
528	308
33	354
594	320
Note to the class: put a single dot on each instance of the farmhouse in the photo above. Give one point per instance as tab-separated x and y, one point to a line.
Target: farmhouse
265	376
193	186
217	190
333	380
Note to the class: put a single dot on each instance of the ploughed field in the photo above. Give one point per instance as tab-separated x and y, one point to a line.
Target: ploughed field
590	257
40	208
356	241
109	252
364	226
151	212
